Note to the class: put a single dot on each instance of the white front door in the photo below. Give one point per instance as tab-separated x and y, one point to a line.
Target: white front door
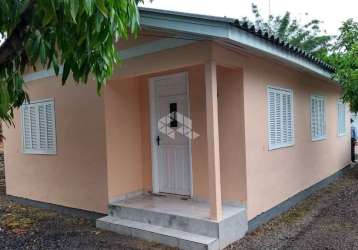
171	154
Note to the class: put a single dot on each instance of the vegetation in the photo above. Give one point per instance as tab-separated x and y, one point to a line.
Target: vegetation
345	58
78	34
341	51
307	36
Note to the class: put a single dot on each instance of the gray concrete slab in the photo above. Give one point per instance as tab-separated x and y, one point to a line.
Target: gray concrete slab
167	236
176	222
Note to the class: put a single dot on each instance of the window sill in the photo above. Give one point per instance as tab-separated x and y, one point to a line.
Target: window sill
39	153
319	138
271	148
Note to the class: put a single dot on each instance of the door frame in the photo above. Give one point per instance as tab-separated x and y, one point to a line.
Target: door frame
154	129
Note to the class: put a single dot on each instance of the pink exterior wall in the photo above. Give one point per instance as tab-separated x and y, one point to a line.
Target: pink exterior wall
273	176
232	134
104	143
127	120
190	58
107	154
76	176
123	137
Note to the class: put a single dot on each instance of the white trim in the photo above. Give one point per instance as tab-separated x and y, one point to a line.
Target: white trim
133	52
282	145
323	137
186	76
41	100
222	28
153	47
154	130
41	74
153	136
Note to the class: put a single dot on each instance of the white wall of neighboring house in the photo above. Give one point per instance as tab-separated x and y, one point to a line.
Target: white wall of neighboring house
354	116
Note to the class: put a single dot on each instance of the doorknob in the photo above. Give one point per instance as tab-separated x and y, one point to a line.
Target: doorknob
158	140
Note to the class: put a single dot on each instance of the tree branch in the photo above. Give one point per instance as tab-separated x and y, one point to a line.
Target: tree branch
14	44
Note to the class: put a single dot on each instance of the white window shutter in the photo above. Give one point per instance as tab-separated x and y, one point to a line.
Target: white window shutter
51	131
341	118
42	127
33	127
284	119
289	119
313	117
318	118
280	118
39	131
26	128
271	118
278	115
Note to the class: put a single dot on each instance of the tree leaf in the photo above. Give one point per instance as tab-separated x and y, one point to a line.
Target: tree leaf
88	5
66	72
80	34
102	8
75	5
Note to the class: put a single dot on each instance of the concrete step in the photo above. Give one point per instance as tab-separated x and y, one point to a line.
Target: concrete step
182	223
166	236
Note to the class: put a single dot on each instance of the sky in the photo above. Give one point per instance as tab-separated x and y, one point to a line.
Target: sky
331	12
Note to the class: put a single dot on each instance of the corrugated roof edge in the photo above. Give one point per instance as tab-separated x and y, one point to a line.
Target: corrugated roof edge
283	44
251	29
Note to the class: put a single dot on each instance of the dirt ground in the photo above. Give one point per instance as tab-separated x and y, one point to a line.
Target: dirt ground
326	220
23	227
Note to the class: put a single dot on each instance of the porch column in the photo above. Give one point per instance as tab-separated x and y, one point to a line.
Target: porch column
212	132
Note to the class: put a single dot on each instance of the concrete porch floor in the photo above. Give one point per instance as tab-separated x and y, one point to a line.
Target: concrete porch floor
177	206
175	222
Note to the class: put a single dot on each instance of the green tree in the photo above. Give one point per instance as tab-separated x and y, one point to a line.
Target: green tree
344	57
78	34
308	36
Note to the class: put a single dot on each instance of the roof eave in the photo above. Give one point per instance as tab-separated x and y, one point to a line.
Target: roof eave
222	28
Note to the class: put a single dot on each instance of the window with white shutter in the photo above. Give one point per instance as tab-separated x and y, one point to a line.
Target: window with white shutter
280	117
38	127
341	107
318	118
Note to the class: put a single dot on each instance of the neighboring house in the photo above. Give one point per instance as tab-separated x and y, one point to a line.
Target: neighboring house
354	116
267	128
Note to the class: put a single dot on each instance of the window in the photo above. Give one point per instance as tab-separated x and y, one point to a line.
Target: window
318	118
38	127
280	117
341	118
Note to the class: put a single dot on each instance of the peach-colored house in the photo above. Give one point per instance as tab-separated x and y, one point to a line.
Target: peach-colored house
207	124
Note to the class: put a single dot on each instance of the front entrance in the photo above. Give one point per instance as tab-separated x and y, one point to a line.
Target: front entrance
171	151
